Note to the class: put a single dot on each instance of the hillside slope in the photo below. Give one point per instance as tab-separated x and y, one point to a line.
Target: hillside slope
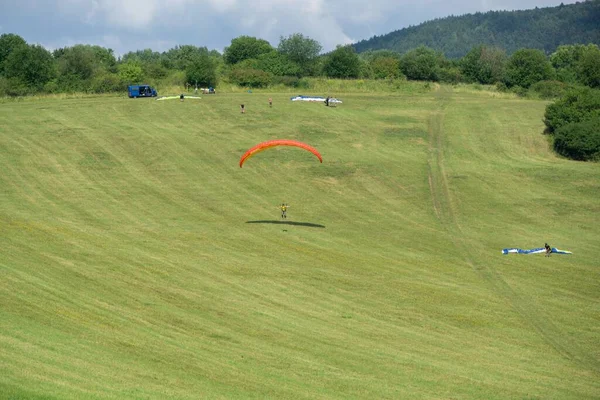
139	261
541	28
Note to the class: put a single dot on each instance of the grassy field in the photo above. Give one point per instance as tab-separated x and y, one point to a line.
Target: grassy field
138	261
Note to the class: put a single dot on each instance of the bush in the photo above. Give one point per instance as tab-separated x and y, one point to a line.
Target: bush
501	87
385	67
175	78
451	75
291	81
579	141
549	89
71	84
576	106
51	87
107	83
14	87
566	75
304	83
250	77
154	70
519	91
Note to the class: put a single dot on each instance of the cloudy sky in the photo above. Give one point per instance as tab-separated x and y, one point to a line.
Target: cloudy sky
126	25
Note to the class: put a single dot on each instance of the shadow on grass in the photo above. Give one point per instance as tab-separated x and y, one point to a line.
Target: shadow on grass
293	223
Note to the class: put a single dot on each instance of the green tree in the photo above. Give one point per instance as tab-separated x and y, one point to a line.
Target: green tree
131	73
343	62
526	67
566	56
32	64
143	56
484	64
421	64
244	48
202	71
154	70
372	55
8	43
449	72
180	57
385	67
277	64
107	82
218	61
549	89
105	58
79	64
565	60
588	66
300	50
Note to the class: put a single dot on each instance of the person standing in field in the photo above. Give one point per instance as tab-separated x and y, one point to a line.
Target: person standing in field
243	109
270	102
284	208
548	250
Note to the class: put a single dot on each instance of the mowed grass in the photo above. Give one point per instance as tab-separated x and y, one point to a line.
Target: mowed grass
138	261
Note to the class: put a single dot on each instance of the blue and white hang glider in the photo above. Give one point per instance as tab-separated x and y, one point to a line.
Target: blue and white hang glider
315	99
539	250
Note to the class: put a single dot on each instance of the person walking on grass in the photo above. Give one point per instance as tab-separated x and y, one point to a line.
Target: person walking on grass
270	102
242	108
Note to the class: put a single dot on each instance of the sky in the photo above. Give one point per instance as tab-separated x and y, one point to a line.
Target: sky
129	25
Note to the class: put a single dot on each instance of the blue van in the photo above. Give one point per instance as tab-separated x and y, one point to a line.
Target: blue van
141	91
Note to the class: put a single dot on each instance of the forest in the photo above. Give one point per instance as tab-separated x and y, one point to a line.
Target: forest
541	28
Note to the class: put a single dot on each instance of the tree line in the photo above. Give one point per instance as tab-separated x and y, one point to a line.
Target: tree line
253	62
571	73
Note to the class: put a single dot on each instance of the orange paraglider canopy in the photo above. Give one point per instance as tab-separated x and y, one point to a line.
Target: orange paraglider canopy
273	143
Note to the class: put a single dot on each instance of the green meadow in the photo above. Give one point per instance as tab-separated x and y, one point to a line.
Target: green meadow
139	261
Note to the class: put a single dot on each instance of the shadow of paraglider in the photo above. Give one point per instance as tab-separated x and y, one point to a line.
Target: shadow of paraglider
293	223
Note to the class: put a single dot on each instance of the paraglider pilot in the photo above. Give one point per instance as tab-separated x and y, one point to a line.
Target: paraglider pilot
283	208
548	249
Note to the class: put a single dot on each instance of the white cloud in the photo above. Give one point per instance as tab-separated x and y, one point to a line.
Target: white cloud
133	24
223	6
268	17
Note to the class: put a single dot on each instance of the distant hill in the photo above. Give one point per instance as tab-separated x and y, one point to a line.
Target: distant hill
540	28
